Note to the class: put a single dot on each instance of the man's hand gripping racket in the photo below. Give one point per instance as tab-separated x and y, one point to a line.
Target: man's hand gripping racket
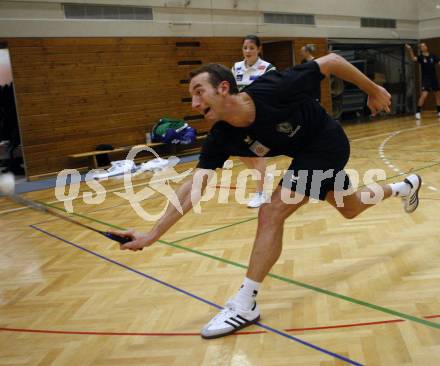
133	240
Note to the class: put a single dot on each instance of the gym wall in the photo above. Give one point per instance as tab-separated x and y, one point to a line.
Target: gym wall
219	18
76	93
82	82
429	18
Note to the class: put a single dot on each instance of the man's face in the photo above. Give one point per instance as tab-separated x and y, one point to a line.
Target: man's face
303	52
423	47
206	99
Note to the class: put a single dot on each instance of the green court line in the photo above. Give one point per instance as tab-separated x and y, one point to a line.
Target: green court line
393	159
418	169
400	175
313	288
216	229
392	150
219	228
278	277
272	275
254	218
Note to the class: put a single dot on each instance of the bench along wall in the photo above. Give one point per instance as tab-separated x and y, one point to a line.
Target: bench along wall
76	93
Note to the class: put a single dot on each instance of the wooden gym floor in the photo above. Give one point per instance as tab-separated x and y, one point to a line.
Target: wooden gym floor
364	291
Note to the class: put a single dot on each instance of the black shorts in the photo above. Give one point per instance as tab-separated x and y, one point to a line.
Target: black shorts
319	168
430	84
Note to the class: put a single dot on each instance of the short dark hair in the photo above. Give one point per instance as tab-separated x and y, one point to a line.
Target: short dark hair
217	74
253	38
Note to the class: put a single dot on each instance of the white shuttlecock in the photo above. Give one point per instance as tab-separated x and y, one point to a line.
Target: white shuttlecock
7	183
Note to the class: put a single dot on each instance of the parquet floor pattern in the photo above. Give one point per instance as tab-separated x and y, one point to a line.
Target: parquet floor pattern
60	285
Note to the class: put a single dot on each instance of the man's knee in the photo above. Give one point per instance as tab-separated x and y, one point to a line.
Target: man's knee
268	214
277	211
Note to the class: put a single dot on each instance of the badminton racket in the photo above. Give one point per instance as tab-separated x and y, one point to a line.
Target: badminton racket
40	207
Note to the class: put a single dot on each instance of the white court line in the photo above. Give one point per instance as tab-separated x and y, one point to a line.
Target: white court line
387	133
387	161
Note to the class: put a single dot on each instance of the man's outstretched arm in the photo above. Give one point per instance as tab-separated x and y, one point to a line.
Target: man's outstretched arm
188	194
378	98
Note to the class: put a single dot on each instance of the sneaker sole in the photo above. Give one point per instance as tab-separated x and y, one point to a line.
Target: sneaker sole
417	195
257	206
251	322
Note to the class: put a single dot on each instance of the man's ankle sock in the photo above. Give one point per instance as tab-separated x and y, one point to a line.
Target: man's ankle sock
245	297
400	189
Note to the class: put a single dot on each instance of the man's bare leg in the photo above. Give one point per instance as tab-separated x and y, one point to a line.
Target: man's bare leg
269	238
242	310
353	205
356	203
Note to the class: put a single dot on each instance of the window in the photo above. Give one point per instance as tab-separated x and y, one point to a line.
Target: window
81	11
378	23
284	18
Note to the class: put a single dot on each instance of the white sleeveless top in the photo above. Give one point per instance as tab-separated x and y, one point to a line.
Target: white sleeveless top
245	76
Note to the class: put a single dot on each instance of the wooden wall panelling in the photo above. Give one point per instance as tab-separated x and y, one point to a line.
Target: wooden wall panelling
76	93
279	53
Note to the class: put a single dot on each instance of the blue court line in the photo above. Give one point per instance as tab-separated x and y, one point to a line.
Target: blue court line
261	325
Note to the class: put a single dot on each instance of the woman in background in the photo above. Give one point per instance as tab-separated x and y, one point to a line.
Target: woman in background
427	63
245	72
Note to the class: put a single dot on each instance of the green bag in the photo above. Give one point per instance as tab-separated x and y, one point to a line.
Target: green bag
160	129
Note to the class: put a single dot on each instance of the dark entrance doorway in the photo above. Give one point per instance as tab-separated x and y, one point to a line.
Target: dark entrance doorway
279	53
10	151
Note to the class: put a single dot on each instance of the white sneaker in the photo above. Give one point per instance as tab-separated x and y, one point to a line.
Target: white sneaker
117	168
411	201
155	165
257	200
230	320
438	114
418	115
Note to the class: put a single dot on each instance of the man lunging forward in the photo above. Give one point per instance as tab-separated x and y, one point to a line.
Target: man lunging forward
277	115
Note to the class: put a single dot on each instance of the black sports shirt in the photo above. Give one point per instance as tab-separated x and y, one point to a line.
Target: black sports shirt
317	94
427	64
287	120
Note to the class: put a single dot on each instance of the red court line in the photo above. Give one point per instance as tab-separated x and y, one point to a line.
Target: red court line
94	333
44	331
346	325
218	187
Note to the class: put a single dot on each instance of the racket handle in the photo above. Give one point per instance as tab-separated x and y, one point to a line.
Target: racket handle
120	239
